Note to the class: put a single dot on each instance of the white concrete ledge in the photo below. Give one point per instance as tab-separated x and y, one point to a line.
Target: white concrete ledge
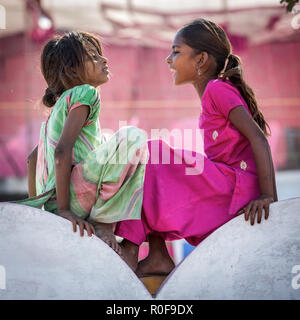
41	258
44	259
240	261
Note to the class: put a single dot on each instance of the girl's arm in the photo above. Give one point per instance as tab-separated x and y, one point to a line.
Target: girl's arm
63	163
31	169
242	120
274	184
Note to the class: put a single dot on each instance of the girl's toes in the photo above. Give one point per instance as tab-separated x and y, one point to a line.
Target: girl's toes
108	242
119	250
120	253
113	246
116	247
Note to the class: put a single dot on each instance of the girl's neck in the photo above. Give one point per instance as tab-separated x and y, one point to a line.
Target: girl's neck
201	84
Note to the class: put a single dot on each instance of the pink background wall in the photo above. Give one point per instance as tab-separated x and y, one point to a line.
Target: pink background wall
141	91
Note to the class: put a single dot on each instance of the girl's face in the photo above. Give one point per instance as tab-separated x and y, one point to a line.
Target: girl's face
97	70
183	62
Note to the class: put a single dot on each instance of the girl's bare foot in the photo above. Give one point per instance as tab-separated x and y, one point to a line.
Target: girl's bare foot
104	231
155	265
130	253
158	261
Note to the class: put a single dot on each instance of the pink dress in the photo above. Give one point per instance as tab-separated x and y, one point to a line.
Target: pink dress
177	205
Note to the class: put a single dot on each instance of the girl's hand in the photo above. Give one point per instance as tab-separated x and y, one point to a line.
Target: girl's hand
257	206
69	215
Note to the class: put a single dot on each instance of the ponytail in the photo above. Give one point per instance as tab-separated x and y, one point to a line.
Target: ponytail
233	72
49	98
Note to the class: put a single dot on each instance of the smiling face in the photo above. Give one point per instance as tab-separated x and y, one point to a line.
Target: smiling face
183	62
96	69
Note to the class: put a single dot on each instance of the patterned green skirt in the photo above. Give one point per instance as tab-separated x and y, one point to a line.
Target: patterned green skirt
108	185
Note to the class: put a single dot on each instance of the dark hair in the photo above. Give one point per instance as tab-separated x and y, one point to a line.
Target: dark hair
203	35
62	62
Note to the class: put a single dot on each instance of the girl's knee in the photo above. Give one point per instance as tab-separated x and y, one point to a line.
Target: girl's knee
135	134
157	145
32	157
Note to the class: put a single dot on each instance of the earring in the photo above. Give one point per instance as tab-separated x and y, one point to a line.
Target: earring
198	68
199	72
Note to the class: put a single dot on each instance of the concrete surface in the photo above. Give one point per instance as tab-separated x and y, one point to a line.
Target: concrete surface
240	261
42	258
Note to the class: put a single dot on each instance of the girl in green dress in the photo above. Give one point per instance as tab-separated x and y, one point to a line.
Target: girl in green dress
92	181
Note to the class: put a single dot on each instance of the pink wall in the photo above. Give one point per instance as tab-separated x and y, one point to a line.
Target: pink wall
140	91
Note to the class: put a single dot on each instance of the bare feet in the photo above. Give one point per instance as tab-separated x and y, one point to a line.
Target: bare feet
155	265
130	253
158	261
104	231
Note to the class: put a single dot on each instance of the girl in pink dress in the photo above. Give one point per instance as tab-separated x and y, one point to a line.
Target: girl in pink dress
235	176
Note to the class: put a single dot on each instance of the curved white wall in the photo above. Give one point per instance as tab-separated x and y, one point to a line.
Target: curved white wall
44	259
240	261
41	258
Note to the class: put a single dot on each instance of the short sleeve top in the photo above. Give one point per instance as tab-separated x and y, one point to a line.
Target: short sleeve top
89	138
222	141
